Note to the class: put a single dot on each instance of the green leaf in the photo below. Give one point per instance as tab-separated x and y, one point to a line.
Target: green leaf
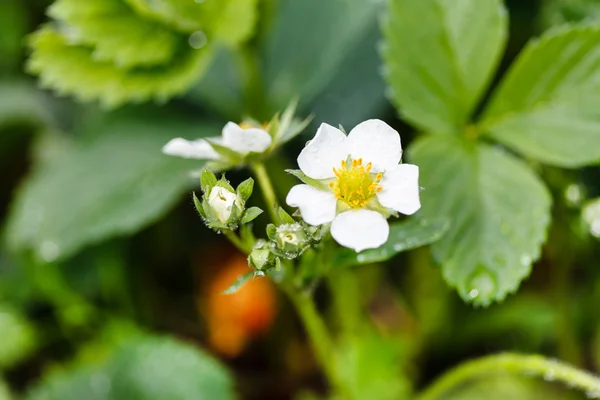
498	208
18	337
144	369
547	105
405	235
113	185
228	21
116	33
72	70
559	12
250	215
290	63
245	188
239	282
21	102
439	57
198	206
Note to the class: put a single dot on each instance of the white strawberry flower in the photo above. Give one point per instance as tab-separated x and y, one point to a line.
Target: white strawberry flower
355	182
241	139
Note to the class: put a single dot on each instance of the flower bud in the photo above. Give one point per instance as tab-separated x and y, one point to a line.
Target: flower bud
221	201
291	240
261	256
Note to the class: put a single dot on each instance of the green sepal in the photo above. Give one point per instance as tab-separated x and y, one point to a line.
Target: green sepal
322	184
208	180
224	183
244	189
198	206
225	152
239	282
285	217
272	232
250	214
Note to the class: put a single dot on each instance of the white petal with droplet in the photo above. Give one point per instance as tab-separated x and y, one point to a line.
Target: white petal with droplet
326	151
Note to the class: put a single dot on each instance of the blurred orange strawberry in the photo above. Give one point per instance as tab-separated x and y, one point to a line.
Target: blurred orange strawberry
233	320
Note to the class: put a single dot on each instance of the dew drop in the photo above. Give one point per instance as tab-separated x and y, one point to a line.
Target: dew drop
198	40
525	260
482	284
549	375
49	251
573	193
199	1
361	258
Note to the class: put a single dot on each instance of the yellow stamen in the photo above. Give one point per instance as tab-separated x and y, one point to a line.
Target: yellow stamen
355	185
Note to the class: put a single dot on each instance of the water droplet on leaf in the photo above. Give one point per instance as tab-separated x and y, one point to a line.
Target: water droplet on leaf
49	251
198	40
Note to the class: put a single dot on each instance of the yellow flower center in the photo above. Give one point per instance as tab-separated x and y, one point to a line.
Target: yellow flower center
355	184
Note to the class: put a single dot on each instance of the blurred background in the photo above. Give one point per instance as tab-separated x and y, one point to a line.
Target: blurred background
110	285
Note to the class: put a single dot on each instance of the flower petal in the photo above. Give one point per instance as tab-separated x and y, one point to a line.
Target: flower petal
376	142
245	141
401	189
199	149
316	206
326	151
360	229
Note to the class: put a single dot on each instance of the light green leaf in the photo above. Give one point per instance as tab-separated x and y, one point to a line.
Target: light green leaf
405	235
113	185
308	43
245	189
116	33
547	105
498	208
319	184
148	368
72	69
18	337
229	21
439	57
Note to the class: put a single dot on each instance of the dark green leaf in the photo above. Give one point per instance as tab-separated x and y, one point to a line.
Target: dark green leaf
498	209
439	57
148	368
291	65
547	105
250	214
113	185
406	235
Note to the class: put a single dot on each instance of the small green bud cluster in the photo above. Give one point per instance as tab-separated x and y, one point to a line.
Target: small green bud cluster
288	240
223	207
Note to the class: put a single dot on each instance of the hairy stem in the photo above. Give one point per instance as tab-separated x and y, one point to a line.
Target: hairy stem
531	365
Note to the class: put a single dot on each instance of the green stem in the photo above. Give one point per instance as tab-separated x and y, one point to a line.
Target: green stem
318	335
266	186
517	364
237	242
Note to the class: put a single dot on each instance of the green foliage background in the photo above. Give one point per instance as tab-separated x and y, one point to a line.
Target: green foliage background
497	102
